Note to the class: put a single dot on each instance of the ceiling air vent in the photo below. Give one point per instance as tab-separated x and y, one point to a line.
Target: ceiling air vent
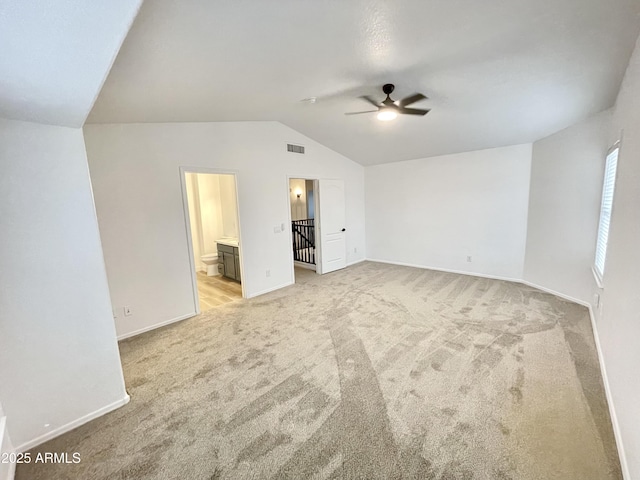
295	148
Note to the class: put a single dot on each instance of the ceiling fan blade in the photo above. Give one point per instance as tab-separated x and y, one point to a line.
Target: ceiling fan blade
358	113
370	100
416	97
413	111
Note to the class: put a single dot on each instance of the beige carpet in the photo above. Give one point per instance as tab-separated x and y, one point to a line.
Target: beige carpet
373	372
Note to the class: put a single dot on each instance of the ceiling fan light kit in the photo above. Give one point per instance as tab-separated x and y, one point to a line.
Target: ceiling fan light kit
389	109
386	114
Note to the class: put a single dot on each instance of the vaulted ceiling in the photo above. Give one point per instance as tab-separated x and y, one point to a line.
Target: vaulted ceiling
497	72
55	56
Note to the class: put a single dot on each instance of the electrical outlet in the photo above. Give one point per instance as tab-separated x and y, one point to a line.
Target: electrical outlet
268	273
127	311
468	258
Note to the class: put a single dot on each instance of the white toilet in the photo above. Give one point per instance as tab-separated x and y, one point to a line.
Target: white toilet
211	261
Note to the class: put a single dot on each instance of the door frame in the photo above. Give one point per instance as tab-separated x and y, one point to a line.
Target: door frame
185	209
316	223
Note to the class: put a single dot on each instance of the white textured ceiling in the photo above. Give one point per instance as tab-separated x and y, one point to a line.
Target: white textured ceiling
498	72
55	55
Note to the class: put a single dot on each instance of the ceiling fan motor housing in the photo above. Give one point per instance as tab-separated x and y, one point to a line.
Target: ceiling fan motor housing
390	109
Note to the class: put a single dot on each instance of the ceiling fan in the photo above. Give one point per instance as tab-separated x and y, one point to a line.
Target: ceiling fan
389	109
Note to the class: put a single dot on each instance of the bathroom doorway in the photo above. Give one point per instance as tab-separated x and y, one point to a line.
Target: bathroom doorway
213	231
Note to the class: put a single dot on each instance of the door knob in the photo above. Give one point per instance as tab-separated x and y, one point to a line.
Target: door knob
344	229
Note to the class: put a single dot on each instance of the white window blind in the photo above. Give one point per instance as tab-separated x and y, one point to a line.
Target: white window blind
605	212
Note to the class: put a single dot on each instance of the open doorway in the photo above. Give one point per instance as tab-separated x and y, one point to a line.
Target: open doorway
304	249
318	231
213	233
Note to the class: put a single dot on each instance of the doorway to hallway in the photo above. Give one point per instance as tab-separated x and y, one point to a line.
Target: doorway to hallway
303	229
318	231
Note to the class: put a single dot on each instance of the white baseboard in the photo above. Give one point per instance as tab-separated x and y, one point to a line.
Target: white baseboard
71	425
155	325
557	294
356	262
612	410
269	290
447	270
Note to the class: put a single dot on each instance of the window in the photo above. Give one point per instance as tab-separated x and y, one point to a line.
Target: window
605	212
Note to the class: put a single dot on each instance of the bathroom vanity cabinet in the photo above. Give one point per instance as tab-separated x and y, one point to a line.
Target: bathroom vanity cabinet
229	261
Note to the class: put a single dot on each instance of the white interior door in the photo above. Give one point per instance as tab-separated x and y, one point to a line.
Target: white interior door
333	245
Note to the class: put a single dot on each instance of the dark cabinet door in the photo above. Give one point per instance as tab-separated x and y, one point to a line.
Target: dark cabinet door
229	265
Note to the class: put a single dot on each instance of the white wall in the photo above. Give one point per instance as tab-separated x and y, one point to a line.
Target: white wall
564	207
228	206
59	358
134	168
618	320
435	212
566	188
